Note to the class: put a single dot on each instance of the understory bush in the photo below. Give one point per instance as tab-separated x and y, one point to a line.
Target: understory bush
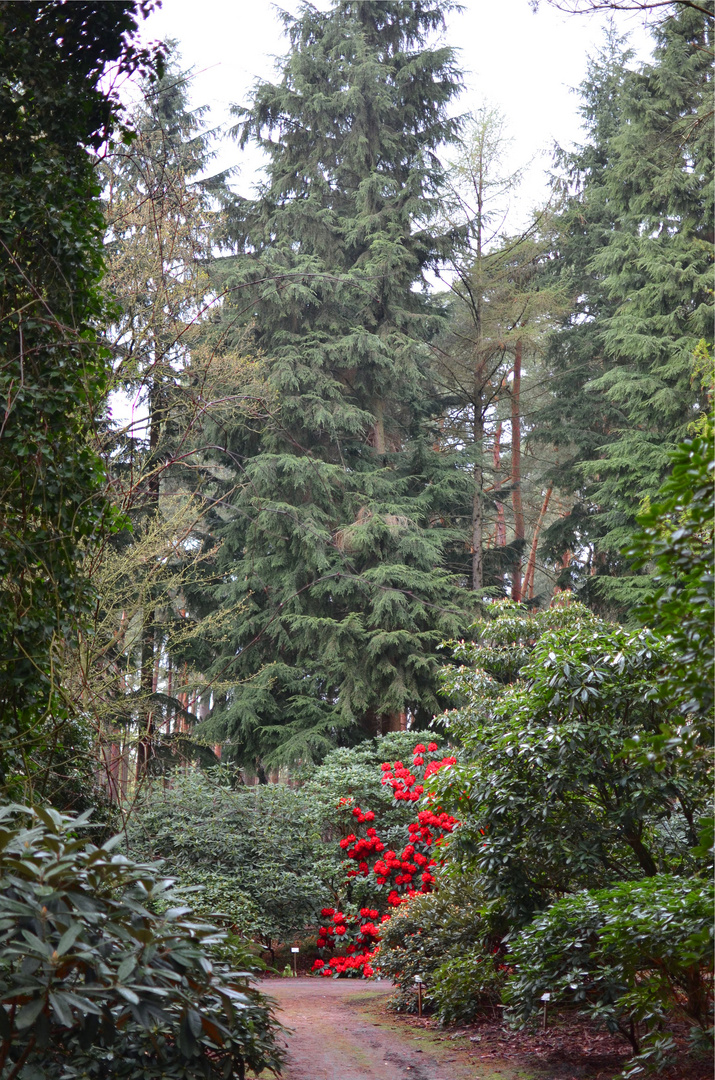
251	851
451	939
636	957
96	983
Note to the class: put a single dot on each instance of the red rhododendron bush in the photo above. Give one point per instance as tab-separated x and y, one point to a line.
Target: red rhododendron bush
378	876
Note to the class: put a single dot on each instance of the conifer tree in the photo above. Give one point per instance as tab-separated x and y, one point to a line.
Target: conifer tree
636	250
501	308
336	542
160	224
658	266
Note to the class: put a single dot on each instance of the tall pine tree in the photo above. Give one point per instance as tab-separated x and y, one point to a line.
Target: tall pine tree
636	250
337	530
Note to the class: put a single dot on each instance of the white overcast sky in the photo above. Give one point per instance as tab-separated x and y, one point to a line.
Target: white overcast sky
523	62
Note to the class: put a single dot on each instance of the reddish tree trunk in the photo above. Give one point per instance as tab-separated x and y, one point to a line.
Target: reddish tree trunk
500	528
528	589
516	473
394	721
477	508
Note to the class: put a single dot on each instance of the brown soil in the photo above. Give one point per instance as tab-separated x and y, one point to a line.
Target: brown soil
341	1030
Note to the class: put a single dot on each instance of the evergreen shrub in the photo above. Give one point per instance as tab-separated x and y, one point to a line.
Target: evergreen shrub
637	956
94	982
451	940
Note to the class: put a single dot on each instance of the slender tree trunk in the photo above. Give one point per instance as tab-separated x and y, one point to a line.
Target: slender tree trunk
146	684
148	643
477	504
528	588
516	474
500	528
379	429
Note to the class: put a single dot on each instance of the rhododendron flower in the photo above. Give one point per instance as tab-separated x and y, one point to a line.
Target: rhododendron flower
419	749
432	747
327	912
317	965
418	760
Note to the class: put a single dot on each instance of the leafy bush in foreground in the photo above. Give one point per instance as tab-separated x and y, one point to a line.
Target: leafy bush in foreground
94	983
640	953
554	794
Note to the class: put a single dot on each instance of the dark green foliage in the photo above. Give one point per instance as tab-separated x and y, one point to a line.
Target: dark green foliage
636	954
52	111
250	850
451	939
658	265
637	251
95	983
677	536
554	798
335	546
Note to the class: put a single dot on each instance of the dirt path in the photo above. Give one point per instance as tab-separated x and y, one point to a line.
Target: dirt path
342	1031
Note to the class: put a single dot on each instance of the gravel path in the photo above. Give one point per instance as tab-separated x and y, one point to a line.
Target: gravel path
342	1031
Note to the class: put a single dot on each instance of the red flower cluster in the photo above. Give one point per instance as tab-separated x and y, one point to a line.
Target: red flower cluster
362	936
405	875
362	849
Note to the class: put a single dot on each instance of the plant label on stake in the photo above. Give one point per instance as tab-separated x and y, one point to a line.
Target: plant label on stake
546	998
295	950
418	980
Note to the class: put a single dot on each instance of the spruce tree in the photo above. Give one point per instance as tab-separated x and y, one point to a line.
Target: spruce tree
338	526
635	248
657	267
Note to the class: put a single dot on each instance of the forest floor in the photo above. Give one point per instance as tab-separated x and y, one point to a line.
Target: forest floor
341	1030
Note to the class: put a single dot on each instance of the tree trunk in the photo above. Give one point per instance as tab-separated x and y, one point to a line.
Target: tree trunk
379	429
516	474
528	588
477	504
500	528
394	721
146	683
148	647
